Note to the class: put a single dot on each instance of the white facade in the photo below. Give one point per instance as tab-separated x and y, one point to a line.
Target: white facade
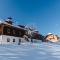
4	38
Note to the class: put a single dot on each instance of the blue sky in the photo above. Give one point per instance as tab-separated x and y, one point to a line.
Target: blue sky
44	14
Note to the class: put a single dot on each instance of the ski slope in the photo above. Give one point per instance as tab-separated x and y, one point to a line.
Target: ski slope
30	51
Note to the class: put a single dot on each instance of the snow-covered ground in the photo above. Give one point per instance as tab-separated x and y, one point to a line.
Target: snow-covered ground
30	51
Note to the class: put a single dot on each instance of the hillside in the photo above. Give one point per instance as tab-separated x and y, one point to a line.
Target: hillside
30	51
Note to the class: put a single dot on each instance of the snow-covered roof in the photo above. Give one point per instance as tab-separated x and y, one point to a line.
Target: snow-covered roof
49	33
13	25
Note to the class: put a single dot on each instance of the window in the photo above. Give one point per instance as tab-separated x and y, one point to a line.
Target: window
14	32
8	39
8	30
19	42
19	33
13	40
